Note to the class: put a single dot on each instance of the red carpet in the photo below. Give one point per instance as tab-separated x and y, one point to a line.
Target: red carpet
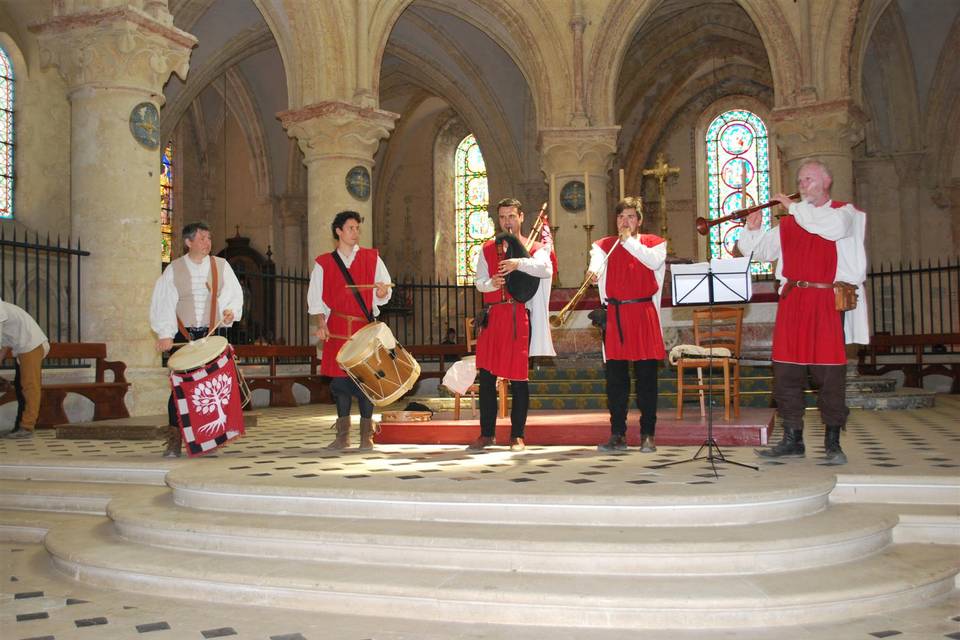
588	428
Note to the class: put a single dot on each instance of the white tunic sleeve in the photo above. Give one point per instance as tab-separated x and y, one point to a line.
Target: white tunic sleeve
764	245
231	295
381	275
541	338
163	306
315	303
483	281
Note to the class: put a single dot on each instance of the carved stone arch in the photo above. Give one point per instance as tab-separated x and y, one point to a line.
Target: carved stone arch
450	133
832	49
896	85
21	70
500	151
526	32
943	121
243	106
278	21
623	18
866	21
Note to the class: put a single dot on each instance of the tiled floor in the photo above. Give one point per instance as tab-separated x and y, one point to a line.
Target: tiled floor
287	449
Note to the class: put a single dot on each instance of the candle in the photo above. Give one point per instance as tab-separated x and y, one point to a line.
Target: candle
586	194
621	184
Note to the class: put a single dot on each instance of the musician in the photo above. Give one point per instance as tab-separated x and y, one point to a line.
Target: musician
341	311
21	337
821	242
630	280
514	331
195	292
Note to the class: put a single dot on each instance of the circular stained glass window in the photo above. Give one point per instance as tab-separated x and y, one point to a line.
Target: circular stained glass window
736	138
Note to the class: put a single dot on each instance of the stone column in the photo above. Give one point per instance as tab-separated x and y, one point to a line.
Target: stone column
337	137
573	154
826	131
114	60
293	212
909	166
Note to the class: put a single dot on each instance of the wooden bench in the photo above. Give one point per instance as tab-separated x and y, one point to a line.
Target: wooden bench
280	386
107	397
440	351
914	368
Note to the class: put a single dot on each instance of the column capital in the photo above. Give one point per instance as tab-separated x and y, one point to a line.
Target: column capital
335	129
575	150
825	128
117	47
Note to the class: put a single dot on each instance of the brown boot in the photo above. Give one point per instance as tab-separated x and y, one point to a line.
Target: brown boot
368	429
174	442
342	441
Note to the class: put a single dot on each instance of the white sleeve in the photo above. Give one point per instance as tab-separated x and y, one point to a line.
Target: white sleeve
539	264
231	295
650	257
597	263
483	281
764	245
315	304
381	275
825	221
163	306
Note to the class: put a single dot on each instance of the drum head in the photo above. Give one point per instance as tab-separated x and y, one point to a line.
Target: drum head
197	353
364	342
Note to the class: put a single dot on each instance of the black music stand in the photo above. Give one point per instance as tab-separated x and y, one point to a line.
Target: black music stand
707	283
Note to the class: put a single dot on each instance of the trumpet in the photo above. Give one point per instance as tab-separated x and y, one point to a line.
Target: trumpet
703	225
558	319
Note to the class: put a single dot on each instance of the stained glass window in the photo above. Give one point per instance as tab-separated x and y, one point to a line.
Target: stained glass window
166	203
738	176
474	226
6	135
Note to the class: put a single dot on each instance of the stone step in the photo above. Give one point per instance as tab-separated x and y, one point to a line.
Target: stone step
66	470
901	399
899	576
671	505
838	534
870	384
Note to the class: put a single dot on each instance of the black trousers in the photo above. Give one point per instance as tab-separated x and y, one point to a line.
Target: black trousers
195	334
830	380
519	392
618	394
344	390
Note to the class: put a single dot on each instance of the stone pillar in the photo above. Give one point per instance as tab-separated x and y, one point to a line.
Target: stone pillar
576	154
337	138
909	168
115	62
293	212
826	131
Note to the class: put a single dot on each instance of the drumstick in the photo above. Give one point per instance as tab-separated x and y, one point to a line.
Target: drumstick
368	286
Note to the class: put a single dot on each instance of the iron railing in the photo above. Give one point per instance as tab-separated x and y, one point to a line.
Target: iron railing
919	299
43	279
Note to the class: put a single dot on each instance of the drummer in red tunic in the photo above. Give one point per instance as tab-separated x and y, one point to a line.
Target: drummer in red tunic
820	243
514	330
630	281
341	311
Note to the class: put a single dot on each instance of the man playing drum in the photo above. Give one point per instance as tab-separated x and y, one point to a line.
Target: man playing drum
347	288
183	308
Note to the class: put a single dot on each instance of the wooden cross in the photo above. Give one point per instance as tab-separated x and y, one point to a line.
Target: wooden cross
661	171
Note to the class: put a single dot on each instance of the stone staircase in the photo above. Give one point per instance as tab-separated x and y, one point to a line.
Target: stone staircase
579	386
682	557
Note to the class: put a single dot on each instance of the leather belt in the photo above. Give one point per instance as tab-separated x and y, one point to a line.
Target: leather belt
515	305
616	307
803	284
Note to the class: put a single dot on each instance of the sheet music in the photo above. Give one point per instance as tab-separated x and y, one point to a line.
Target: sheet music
731	281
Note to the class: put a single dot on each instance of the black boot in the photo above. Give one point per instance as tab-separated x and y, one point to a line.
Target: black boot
790	447
174	443
831	444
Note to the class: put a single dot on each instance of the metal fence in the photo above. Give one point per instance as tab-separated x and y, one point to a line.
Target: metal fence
43	279
910	299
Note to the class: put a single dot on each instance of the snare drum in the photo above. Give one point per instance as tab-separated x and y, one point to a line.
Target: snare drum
208	392
380	366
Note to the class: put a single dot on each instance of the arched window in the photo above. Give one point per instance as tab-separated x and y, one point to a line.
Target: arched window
472	198
738	176
166	203
6	135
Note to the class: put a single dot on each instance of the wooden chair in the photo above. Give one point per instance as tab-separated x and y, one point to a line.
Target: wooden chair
716	327
474	389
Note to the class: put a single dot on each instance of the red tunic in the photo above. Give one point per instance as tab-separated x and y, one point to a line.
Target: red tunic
808	329
627	279
346	317
503	346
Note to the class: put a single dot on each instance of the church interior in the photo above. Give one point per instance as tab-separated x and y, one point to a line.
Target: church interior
121	121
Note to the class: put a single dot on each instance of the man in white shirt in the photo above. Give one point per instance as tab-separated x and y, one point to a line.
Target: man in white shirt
195	292
341	311
22	337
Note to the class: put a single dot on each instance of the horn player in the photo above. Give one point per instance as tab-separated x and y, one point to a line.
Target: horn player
630	279
514	330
